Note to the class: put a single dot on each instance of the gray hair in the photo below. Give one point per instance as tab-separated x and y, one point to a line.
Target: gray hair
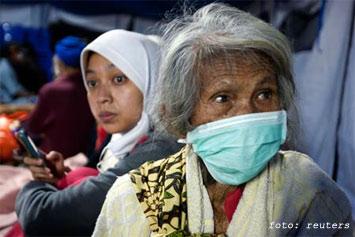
210	31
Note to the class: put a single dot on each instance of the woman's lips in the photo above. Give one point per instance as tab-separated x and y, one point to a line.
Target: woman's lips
106	117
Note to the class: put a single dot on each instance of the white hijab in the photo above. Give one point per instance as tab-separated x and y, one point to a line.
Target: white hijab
137	56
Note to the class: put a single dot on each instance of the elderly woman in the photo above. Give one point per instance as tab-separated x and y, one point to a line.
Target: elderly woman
119	70
226	89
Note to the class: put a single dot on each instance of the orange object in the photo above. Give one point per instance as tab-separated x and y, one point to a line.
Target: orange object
8	141
19	115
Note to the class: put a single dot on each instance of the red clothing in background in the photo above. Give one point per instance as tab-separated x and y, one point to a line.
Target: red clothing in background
63	117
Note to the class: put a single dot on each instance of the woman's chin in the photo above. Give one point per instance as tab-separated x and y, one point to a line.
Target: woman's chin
110	128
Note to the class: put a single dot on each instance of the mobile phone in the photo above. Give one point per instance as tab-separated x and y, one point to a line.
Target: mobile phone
28	144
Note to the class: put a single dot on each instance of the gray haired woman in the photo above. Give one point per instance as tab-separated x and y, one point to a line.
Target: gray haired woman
226	87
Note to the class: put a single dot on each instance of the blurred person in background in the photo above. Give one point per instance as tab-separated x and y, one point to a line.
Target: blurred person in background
62	120
23	59
12	91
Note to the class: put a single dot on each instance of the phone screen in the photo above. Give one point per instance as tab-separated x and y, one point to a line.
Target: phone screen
27	143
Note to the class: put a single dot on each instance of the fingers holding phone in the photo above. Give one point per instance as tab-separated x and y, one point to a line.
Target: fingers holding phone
39	170
56	160
44	167
49	169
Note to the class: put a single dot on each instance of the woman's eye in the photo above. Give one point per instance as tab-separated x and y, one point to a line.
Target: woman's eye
119	79
91	84
221	98
264	95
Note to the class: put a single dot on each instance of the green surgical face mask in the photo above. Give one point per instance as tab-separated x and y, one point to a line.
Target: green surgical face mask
237	149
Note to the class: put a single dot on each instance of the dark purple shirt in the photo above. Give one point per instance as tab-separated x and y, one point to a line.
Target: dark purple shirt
63	117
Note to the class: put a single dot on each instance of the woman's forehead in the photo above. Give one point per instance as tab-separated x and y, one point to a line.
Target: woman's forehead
238	69
99	62
235	59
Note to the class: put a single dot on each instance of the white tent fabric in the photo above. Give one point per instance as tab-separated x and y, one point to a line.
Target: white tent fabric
319	77
346	132
326	96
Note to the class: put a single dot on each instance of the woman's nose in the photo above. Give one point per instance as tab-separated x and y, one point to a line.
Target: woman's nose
244	107
104	95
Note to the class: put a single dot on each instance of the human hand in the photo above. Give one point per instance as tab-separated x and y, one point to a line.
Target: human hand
49	169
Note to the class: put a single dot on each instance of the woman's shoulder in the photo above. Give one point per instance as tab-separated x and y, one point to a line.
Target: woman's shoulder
153	169
156	145
156	181
301	167
297	162
301	172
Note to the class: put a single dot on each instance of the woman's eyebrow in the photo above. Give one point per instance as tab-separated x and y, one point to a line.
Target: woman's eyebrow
111	66
89	71
266	80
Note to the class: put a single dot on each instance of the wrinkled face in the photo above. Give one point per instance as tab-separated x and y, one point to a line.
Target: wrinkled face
245	86
115	101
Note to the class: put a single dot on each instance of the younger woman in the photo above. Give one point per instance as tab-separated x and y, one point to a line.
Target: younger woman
119	70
